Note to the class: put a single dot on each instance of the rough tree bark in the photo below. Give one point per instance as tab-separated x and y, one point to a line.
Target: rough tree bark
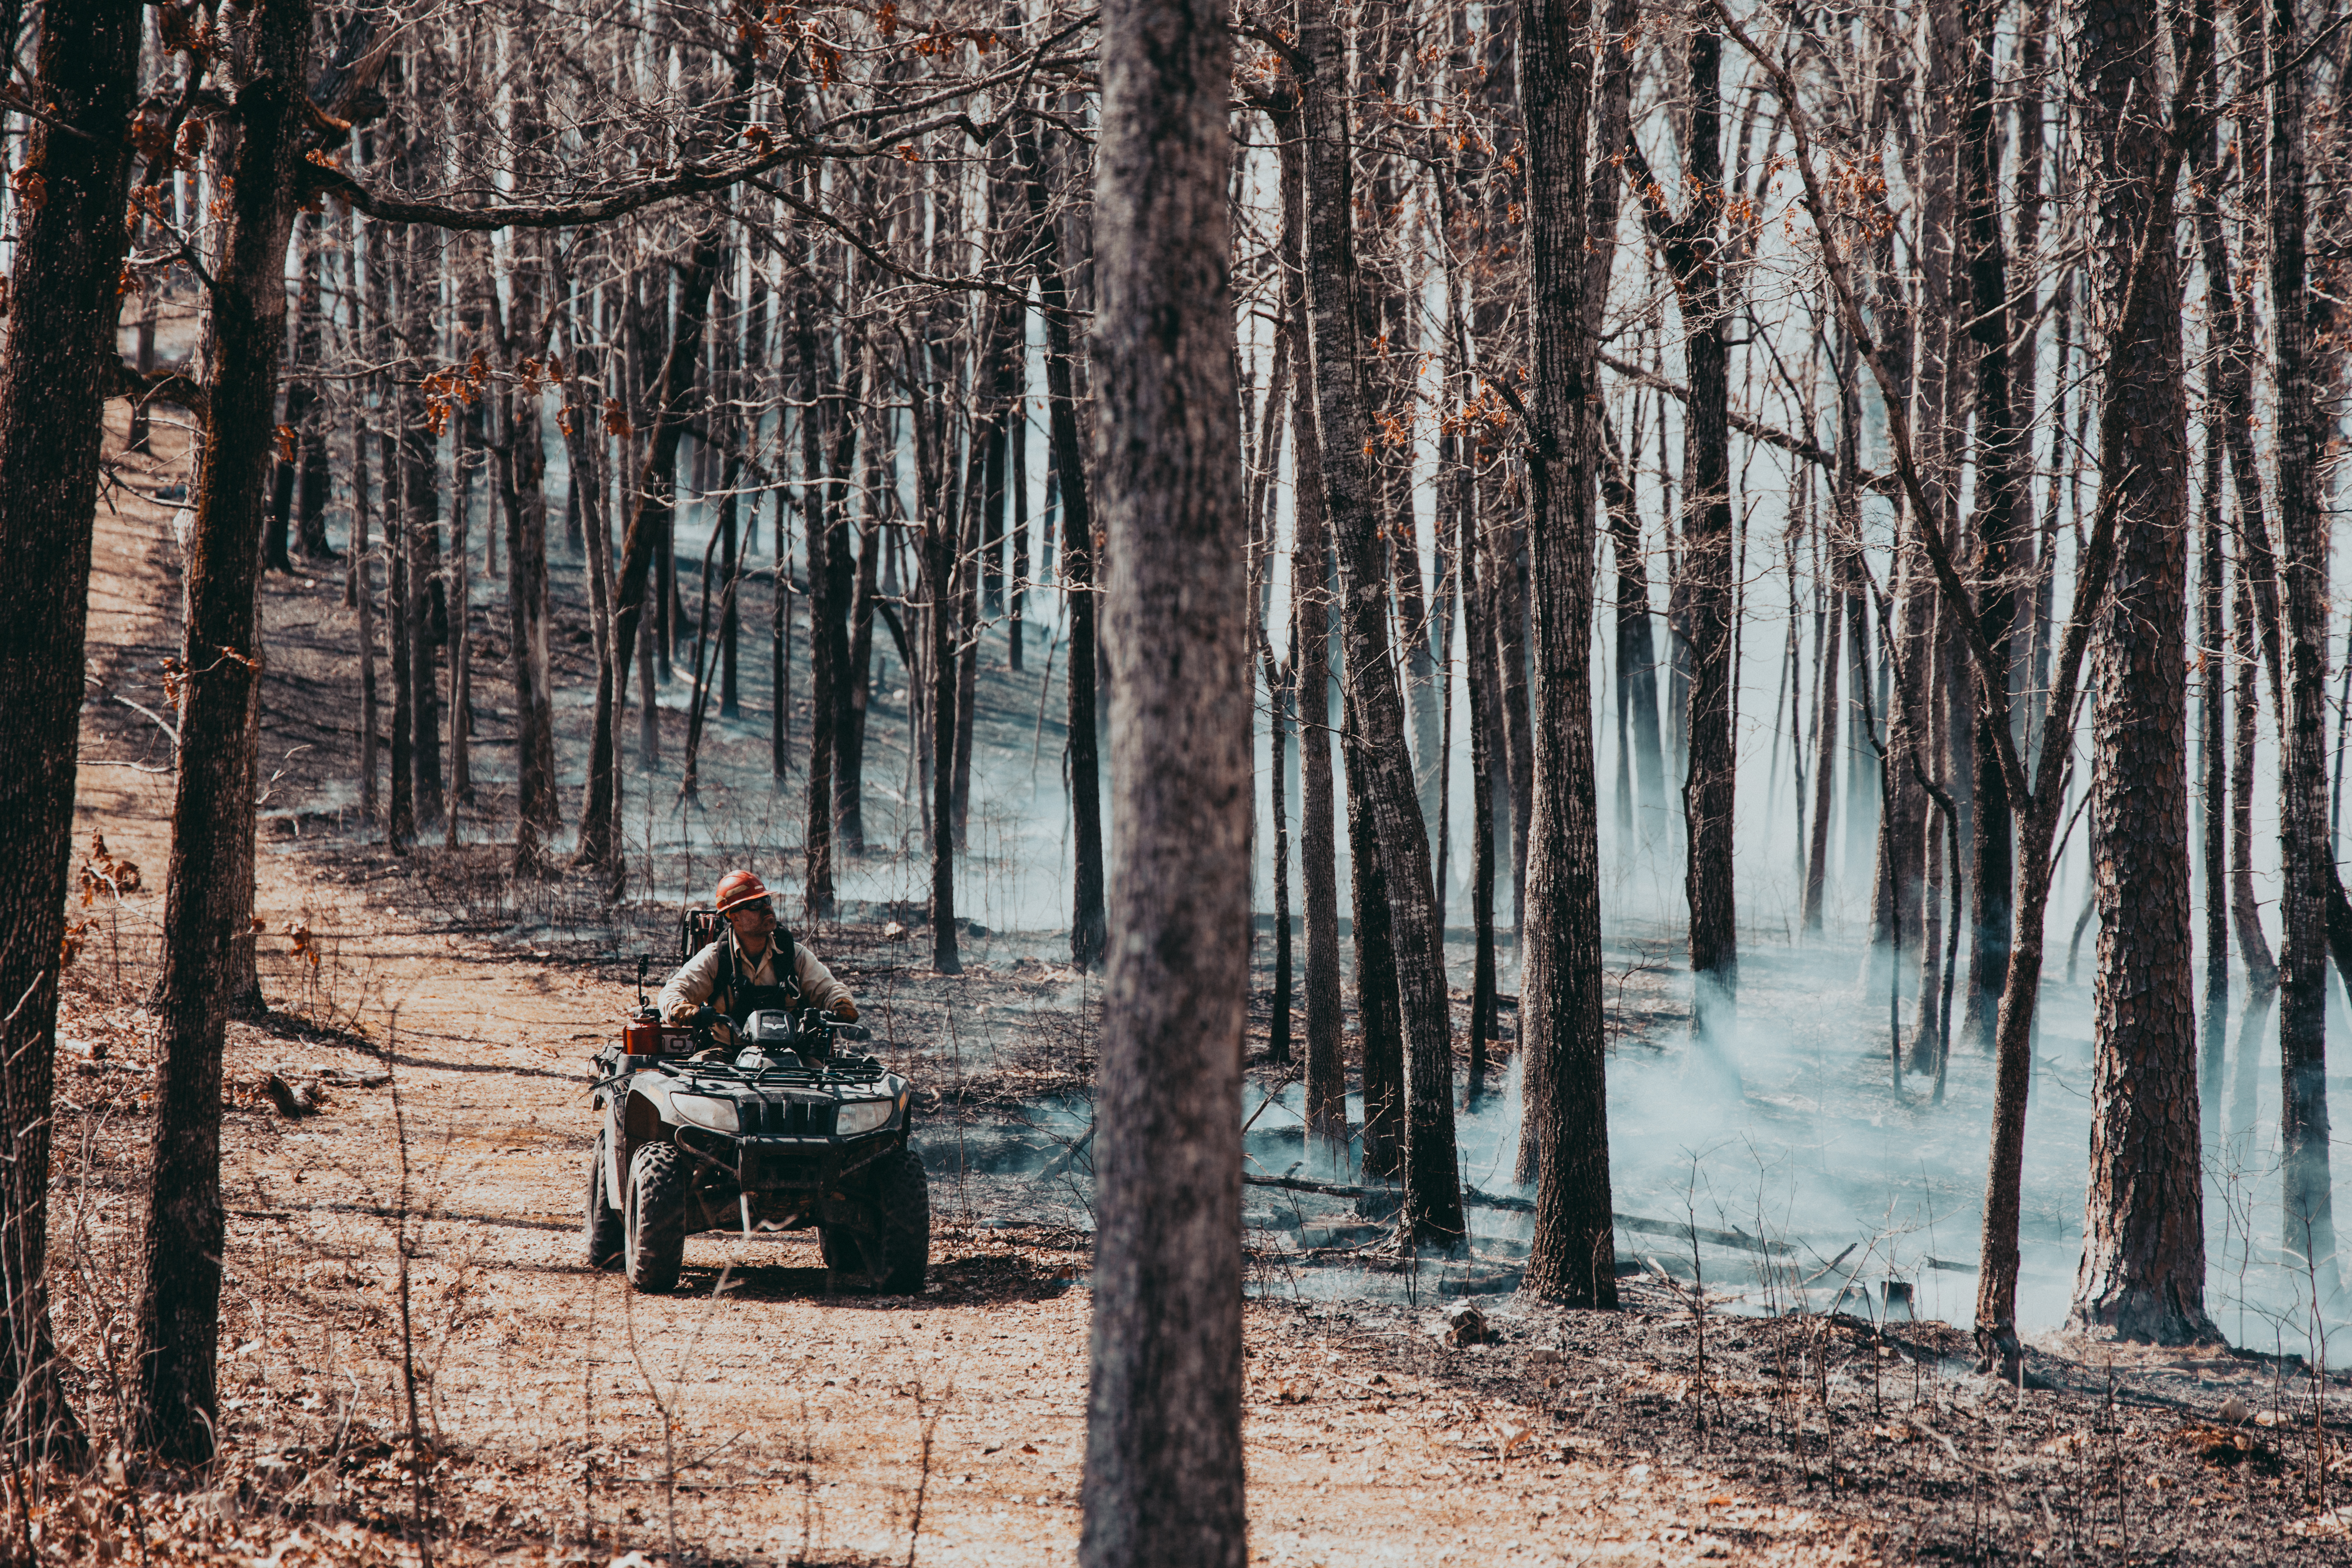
1636	647
1846	524
209	898
2143	1270
521	467
1088	928
1690	245
1310	618
2212	743
2300	319
1163	1474
70	250
1572	1258
2003	518
1380	1031
1433	1183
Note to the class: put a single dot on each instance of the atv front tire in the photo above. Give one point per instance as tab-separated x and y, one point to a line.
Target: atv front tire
892	1252
656	1221
602	1230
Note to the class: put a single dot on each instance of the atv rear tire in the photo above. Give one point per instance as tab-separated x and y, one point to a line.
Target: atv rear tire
656	1221
601	1231
892	1253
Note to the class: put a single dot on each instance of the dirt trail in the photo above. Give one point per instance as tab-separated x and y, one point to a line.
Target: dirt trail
750	1416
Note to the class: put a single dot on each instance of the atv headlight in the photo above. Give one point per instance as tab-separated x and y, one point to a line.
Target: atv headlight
862	1116
707	1111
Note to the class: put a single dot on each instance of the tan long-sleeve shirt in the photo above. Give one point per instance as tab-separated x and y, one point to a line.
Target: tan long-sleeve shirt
697	978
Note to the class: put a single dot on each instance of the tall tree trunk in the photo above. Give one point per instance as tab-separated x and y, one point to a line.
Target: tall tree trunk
1845	525
420	488
363	591
1511	619
298	485
461	614
1088	928
2300	321
849	746
826	649
598	840
1310	611
522	469
1637	658
1432	1183
1379	1027
2002	521
2212	665
941	582
69	255
1572	1257
1163	1484
2245	909
1690	243
400	830
2143	1270
1478	639
209	902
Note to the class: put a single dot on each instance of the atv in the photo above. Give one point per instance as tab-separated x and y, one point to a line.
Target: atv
775	1130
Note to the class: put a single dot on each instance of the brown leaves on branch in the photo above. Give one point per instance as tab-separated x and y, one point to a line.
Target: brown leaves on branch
104	872
445	390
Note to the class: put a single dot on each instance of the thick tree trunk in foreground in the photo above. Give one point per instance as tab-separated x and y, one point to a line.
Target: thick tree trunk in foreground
1572	1258
2143	1270
70	250
209	900
1163	1473
1432	1184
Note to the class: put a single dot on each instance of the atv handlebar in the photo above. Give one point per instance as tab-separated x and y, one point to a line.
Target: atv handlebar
707	1017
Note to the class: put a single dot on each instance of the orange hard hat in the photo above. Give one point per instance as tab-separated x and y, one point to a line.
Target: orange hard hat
738	887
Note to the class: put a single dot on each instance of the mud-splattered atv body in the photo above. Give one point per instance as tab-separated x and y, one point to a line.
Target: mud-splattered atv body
773	1132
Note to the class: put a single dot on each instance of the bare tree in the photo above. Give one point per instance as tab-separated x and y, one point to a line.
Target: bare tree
2300	318
208	903
1572	1258
1163	1476
70	243
1337	338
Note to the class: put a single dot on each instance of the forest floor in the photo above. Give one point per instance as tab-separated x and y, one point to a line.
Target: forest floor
417	1365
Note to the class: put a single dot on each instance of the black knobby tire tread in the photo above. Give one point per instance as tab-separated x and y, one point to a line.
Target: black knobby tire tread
600	1228
657	1217
902	1192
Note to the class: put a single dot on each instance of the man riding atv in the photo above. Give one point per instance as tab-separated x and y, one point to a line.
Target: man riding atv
740	975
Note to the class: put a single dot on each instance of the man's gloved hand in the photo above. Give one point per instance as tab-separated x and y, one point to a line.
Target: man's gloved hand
707	1017
844	1009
